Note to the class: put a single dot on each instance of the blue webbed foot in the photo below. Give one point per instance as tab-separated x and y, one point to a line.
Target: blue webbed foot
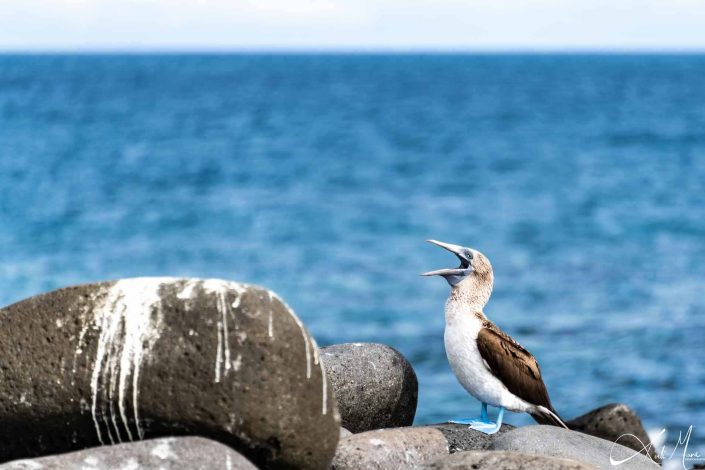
485	426
468	421
483	423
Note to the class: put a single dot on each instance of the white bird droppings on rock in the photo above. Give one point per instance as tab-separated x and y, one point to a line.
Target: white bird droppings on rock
237	363
220	289
270	327
129	321
311	349
325	391
187	292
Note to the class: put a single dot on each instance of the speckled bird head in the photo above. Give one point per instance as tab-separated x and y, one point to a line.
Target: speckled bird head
473	278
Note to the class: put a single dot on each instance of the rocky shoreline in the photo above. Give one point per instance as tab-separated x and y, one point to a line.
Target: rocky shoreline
190	373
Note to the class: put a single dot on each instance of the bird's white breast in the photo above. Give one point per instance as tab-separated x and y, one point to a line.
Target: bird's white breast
462	328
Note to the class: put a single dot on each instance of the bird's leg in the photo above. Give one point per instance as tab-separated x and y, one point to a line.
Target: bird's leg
483	420
494	426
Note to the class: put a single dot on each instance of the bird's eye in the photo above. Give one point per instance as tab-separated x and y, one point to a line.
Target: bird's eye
469	254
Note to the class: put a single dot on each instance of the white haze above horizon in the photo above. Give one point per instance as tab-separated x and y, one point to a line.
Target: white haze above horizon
144	25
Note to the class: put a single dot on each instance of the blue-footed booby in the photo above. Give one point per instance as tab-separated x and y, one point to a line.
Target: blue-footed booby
488	363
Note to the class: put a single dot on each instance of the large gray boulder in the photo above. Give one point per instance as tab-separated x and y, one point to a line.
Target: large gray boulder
615	422
375	386
505	460
168	453
115	362
384	449
461	438
558	442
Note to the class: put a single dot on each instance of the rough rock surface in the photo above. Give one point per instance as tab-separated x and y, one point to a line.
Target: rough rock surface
386	449
344	433
615	422
461	438
559	442
375	386
139	358
169	453
505	460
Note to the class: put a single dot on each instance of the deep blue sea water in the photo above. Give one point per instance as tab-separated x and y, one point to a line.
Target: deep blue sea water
581	177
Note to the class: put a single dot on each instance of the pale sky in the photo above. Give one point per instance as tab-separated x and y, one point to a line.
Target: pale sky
144	25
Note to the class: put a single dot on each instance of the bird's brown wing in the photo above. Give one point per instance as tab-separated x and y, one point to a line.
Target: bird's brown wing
513	365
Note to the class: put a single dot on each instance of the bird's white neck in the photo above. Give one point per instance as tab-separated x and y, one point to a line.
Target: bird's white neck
457	310
470	296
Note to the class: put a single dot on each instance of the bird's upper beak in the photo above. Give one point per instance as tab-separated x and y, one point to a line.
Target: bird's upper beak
465	267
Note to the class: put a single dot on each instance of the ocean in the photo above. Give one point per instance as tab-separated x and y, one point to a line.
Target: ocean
581	177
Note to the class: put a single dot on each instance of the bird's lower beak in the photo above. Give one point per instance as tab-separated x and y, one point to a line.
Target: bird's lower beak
446	272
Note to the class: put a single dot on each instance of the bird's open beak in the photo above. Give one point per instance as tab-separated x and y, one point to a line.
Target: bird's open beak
457	250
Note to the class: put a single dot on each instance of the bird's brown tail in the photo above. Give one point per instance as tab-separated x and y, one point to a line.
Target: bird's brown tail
544	415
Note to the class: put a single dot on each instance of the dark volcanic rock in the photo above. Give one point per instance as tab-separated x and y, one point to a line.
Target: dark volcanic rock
617	423
505	460
119	361
461	438
390	448
169	453
375	386
558	442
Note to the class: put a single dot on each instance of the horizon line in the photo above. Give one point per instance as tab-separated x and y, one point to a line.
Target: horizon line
345	50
